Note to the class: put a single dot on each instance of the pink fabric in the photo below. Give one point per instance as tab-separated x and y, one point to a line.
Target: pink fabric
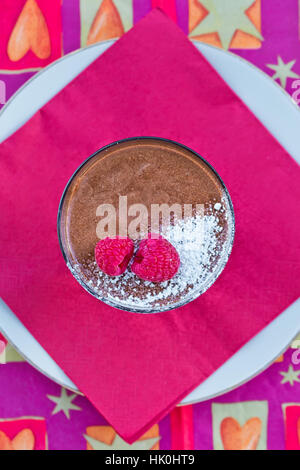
167	6
182	428
9	15
135	368
292	427
11	428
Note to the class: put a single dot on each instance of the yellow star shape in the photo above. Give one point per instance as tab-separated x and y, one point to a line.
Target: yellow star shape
226	17
290	376
64	403
283	71
119	444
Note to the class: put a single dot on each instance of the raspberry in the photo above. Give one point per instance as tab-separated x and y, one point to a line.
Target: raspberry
113	254
156	260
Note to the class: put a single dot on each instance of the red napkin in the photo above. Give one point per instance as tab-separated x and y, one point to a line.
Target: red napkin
135	368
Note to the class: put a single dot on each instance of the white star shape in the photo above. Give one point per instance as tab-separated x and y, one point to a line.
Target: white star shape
64	403
283	71
226	17
290	376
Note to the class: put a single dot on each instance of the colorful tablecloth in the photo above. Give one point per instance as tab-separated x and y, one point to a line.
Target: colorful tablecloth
36	413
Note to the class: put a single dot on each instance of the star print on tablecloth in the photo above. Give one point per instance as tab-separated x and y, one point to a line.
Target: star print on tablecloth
290	376
119	444
283	71
64	403
226	18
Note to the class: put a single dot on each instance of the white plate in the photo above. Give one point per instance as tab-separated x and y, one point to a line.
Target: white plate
275	109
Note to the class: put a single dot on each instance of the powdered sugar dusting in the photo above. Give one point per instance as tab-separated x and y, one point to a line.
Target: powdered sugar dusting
203	243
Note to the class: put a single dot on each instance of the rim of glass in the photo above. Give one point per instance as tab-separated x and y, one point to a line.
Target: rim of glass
194	294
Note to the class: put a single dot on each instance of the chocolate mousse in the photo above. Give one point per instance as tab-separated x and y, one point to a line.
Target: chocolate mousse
120	183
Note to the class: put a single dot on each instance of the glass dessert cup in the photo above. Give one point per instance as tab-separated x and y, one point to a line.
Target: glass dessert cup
147	171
